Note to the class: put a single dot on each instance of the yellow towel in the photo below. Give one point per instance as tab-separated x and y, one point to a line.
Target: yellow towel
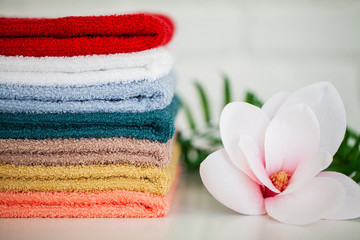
84	178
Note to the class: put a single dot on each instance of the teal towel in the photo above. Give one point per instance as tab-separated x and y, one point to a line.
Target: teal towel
157	125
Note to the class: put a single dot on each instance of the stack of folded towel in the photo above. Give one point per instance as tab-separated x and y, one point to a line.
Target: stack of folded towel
87	110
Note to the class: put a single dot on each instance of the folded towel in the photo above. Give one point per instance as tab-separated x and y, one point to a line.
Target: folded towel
51	152
99	204
86	70
73	36
131	97
156	125
84	178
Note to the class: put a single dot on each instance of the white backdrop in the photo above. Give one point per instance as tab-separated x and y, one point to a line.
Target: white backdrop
264	46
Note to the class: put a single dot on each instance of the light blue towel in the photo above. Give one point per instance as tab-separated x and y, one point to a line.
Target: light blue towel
140	96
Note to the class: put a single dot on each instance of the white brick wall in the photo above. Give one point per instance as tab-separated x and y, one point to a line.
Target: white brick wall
266	46
312	28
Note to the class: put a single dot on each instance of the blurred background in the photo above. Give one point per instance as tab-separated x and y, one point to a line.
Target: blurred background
262	46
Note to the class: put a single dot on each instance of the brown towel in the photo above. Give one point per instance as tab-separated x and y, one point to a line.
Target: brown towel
51	152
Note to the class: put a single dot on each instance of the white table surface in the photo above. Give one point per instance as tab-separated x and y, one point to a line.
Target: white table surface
194	214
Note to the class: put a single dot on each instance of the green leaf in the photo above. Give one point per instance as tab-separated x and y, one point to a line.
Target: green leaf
188	114
252	99
347	158
227	90
354	150
204	102
343	146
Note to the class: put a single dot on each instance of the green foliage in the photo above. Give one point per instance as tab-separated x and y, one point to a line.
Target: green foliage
252	99
347	158
227	90
188	115
199	143
205	103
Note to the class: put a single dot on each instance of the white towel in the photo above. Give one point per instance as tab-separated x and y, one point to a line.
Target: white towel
86	70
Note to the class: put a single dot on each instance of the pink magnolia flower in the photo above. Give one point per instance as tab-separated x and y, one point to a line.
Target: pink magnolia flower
273	158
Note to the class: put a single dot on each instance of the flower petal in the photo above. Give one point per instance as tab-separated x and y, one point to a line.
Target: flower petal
307	169
274	102
309	204
238	118
230	186
326	103
351	207
292	135
255	160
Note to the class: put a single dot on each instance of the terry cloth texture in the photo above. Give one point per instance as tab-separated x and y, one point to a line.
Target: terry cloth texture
85	151
155	125
99	204
74	36
131	97
85	178
86	70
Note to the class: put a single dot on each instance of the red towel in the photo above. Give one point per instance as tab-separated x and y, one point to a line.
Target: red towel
74	36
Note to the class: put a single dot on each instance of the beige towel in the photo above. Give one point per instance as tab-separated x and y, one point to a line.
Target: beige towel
85	151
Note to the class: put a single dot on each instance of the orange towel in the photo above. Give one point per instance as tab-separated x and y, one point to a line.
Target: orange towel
100	204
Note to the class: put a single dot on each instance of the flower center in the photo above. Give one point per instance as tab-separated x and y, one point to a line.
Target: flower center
280	180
